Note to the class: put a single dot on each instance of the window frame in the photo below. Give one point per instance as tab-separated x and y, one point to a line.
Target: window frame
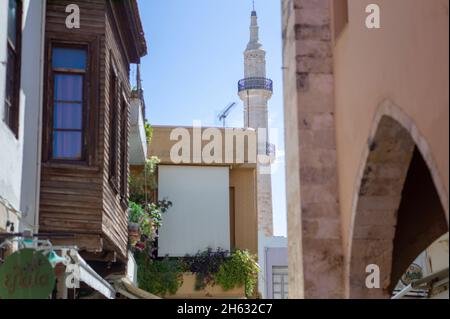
124	158
114	121
65	71
90	99
11	114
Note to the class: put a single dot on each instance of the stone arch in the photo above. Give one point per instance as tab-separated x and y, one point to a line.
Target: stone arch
395	147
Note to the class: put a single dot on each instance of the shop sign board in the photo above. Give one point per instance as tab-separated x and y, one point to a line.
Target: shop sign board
26	274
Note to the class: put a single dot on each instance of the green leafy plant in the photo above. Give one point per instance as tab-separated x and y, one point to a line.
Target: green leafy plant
157	210
165	276
204	265
141	185
160	277
136	212
148	131
139	216
239	270
149	218
147	227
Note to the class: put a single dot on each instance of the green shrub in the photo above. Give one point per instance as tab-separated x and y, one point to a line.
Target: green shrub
148	131
160	277
204	265
241	269
136	212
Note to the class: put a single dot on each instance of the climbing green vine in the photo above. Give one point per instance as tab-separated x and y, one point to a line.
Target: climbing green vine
148	131
160	277
241	269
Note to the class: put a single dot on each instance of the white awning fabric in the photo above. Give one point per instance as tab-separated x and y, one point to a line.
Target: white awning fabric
92	279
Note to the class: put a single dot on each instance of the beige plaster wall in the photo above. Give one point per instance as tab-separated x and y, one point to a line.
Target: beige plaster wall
161	145
406	63
336	91
245	225
242	179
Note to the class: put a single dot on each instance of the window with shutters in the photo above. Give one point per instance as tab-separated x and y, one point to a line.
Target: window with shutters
14	39
124	150
113	126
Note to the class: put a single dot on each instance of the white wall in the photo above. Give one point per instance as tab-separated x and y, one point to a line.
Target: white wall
132	269
32	64
199	217
18	177
263	243
10	147
138	139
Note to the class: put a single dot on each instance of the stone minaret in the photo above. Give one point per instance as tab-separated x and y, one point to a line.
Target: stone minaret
255	90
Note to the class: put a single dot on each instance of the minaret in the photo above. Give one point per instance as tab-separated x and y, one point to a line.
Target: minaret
255	90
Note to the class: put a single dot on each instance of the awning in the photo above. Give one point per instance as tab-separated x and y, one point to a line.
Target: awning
435	279
125	287
92	279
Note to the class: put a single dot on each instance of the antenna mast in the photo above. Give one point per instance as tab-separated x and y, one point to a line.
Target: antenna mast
224	114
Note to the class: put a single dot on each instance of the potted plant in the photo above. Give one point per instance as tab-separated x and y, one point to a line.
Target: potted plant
136	214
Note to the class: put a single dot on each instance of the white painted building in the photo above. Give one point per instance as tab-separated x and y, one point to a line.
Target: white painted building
273	263
21	67
199	217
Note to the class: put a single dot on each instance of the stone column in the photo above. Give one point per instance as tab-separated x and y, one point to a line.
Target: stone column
314	231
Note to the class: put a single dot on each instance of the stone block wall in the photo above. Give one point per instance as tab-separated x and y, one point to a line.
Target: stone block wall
314	231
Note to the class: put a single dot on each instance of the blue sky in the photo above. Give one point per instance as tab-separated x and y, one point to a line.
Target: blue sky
195	60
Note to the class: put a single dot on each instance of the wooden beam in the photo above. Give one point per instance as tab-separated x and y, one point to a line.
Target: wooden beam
84	242
105	256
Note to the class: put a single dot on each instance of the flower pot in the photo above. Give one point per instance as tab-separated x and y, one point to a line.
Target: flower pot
134	234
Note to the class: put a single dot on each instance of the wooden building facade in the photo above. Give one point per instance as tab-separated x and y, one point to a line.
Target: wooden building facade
84	175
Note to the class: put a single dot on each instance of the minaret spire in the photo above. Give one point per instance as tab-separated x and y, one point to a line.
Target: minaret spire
254	32
255	90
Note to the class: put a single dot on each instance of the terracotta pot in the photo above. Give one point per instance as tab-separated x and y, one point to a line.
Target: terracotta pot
134	234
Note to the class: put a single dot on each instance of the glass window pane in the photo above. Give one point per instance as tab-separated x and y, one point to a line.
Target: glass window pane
68	87
67	145
277	278
69	58
10	75
12	21
68	116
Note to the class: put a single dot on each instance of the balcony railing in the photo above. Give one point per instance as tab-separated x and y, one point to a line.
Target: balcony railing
255	84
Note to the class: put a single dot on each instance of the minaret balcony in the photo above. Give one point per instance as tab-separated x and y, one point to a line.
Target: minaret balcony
255	84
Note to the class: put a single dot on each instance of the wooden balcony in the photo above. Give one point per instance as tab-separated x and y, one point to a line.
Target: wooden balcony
87	197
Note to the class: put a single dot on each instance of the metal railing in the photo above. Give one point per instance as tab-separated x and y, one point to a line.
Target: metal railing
255	84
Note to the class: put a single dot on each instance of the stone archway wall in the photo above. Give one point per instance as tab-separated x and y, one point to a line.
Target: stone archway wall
387	108
380	184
